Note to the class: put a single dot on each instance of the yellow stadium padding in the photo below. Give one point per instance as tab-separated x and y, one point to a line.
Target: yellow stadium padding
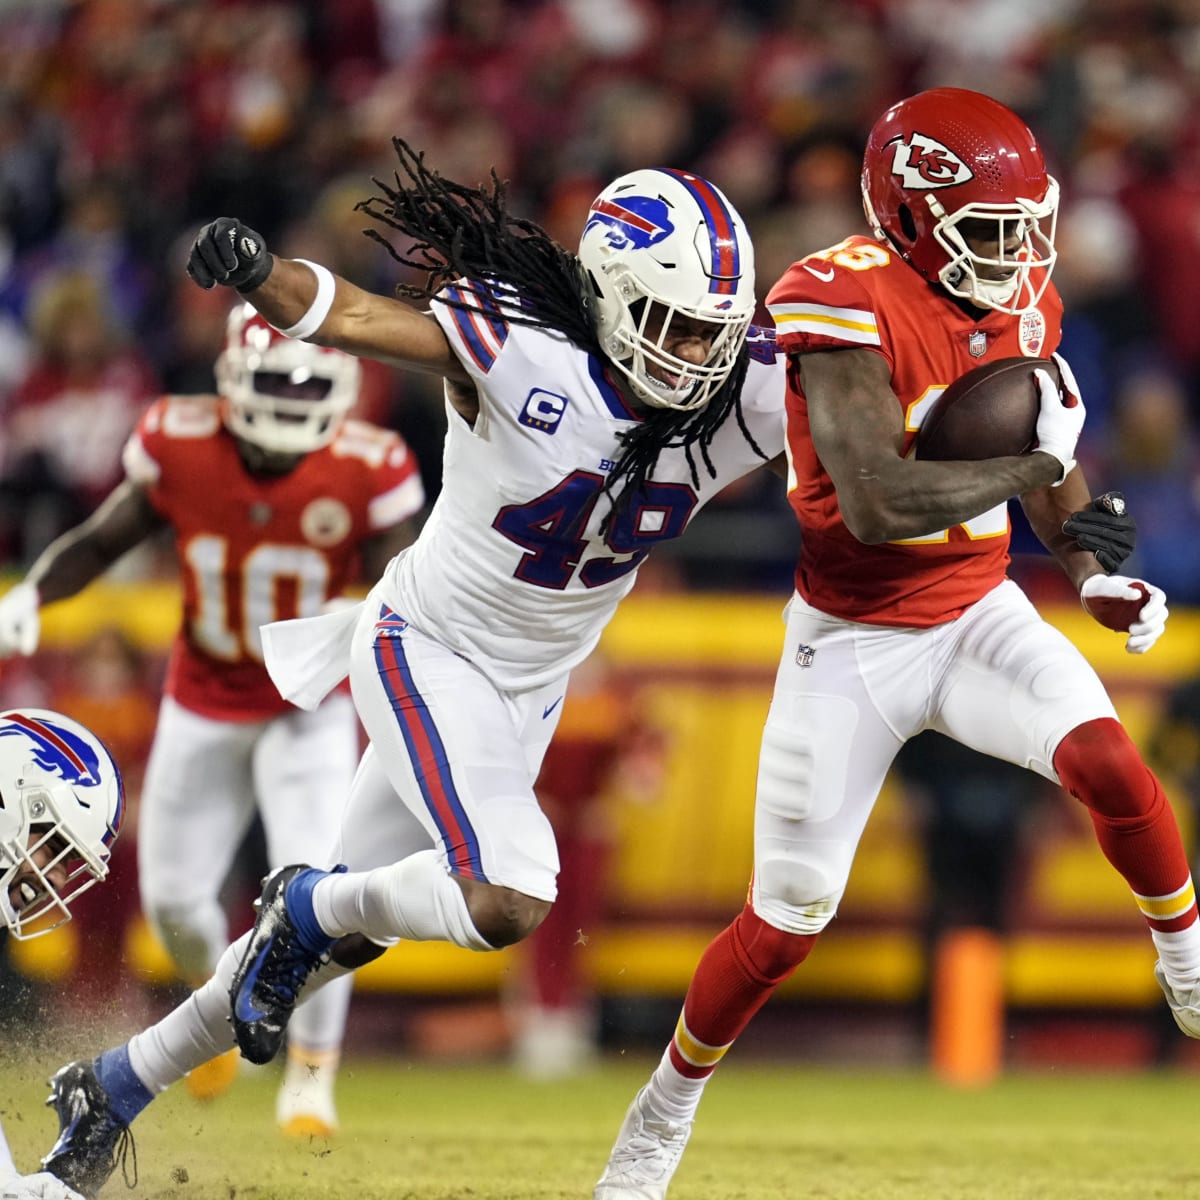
705	665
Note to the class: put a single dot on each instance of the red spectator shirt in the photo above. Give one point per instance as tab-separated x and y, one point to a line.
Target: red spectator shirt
859	294
254	549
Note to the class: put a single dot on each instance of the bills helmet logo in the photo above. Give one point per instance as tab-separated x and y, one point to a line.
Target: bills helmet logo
56	750
923	162
635	222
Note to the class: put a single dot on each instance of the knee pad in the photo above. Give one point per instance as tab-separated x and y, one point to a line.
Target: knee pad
772	953
1099	765
797	887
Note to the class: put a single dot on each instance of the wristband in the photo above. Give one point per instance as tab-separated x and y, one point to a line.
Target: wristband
318	310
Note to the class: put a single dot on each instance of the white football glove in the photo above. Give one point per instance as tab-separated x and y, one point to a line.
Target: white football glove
1151	618
1060	419
42	1186
19	624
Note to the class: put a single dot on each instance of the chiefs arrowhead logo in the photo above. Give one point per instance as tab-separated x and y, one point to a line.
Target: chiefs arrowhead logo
922	162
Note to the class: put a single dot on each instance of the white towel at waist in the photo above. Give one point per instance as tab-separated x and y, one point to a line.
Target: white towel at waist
308	657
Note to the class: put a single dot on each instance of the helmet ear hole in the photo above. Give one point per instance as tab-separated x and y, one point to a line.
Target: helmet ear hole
907	225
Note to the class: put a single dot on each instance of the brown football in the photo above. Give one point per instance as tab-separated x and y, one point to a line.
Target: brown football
990	412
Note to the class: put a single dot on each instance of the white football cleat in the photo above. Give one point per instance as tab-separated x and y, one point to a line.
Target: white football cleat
304	1107
644	1157
1184	1008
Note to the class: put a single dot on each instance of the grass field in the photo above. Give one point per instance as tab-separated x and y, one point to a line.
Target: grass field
480	1133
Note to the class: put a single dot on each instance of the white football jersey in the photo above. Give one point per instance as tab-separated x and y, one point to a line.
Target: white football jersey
511	569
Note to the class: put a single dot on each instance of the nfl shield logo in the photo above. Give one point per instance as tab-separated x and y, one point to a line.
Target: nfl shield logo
804	656
977	343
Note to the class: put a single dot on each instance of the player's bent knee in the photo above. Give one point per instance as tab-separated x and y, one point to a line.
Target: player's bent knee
1098	763
354	951
503	916
798	890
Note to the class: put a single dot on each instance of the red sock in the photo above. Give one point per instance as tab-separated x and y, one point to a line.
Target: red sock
737	973
1134	824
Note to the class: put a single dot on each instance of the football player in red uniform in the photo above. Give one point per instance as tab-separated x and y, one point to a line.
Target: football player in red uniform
277	502
902	618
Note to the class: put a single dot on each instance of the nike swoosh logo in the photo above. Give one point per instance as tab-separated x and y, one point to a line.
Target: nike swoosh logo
823	276
552	708
244	1010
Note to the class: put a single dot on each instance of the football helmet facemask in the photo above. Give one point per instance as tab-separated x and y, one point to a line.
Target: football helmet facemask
282	395
61	807
948	165
660	244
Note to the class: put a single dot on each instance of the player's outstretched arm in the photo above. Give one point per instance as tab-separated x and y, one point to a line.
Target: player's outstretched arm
307	301
124	520
72	561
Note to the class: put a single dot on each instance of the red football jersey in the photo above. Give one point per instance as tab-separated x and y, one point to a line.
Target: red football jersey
861	294
254	549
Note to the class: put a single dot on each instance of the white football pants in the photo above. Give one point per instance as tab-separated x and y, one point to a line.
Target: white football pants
848	695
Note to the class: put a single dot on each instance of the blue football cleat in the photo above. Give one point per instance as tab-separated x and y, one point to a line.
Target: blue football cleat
273	970
92	1139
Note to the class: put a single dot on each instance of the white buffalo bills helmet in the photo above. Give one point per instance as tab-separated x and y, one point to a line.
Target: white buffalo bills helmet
61	806
282	395
666	240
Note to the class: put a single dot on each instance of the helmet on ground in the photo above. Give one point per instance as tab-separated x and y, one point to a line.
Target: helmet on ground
946	157
282	395
660	244
61	807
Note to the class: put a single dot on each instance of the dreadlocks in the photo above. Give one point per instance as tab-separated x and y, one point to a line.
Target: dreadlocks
466	235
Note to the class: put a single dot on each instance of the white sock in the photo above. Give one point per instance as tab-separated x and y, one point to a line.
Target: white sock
199	1028
191	1034
1179	953
671	1095
415	898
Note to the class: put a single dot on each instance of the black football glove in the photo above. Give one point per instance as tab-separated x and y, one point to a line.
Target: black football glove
227	252
1106	529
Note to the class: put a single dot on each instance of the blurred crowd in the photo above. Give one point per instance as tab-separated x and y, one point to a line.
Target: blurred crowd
125	124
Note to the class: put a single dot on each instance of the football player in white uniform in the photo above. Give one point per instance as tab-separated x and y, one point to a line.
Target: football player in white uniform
61	807
595	402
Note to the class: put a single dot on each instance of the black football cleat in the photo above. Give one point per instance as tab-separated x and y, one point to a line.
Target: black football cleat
273	970
92	1139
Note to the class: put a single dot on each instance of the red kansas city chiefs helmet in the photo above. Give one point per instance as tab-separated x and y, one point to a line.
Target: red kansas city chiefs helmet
282	395
949	156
